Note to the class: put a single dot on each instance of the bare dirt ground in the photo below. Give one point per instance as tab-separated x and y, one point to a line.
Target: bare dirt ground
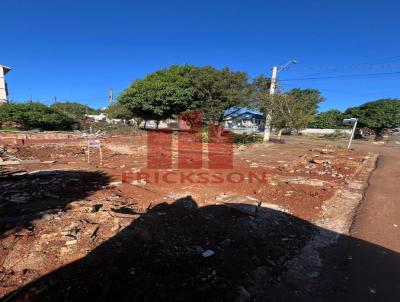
71	231
365	266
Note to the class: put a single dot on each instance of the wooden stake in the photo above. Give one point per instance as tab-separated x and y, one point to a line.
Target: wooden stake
88	151
101	156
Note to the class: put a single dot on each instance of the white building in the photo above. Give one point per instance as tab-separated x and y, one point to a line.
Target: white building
3	84
102	117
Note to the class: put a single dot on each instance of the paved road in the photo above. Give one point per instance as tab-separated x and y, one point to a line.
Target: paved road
372	272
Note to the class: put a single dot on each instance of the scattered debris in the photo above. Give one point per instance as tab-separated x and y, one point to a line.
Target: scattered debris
207	253
19	162
71	242
50	217
372	290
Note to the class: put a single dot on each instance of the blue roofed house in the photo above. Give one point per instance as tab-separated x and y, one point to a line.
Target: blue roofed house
244	119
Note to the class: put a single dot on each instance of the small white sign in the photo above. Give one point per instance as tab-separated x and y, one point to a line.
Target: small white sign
94	143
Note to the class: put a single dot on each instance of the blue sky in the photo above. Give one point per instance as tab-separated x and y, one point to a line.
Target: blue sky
77	50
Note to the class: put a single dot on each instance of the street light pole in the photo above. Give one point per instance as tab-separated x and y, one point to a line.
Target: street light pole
268	117
273	80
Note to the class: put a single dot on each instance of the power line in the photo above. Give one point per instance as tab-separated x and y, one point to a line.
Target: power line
342	76
345	67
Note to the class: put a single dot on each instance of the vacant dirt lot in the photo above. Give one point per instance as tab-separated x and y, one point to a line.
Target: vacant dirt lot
72	231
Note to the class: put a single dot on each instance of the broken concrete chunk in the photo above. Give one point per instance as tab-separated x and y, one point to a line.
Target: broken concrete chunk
320	161
140	182
207	253
71	242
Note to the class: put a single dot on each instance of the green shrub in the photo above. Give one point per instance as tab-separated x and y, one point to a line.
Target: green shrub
35	116
245	139
75	111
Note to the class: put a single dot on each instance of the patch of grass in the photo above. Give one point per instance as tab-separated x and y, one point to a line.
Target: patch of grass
8	128
247	139
204	135
113	129
337	135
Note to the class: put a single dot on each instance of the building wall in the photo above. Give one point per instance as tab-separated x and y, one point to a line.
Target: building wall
3	88
321	132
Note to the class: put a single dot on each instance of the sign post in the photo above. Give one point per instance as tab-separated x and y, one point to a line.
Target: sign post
95	143
88	151
351	121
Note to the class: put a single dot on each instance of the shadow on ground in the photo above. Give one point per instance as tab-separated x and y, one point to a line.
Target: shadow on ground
28	196
160	257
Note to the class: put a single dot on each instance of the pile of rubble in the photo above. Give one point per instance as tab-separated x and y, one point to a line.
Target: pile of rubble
8	156
5	153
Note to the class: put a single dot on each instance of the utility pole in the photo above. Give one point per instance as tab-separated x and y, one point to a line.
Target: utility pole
55	100
268	118
110	96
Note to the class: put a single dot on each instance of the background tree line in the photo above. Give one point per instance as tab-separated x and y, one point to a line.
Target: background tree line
35	115
217	93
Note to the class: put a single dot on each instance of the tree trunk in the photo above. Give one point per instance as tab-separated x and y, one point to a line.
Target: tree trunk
267	129
218	130
157	123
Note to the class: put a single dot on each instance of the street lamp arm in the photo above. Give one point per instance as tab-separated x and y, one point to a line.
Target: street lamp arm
283	67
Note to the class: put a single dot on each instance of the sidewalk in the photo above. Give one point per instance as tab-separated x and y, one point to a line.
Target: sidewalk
371	274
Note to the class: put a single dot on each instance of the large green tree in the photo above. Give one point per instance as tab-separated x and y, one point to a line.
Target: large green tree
296	108
161	94
182	89
377	115
217	90
36	115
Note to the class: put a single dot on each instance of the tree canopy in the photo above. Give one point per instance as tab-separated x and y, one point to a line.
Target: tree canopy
35	115
377	115
74	110
161	94
294	109
260	93
217	90
180	89
118	111
331	119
